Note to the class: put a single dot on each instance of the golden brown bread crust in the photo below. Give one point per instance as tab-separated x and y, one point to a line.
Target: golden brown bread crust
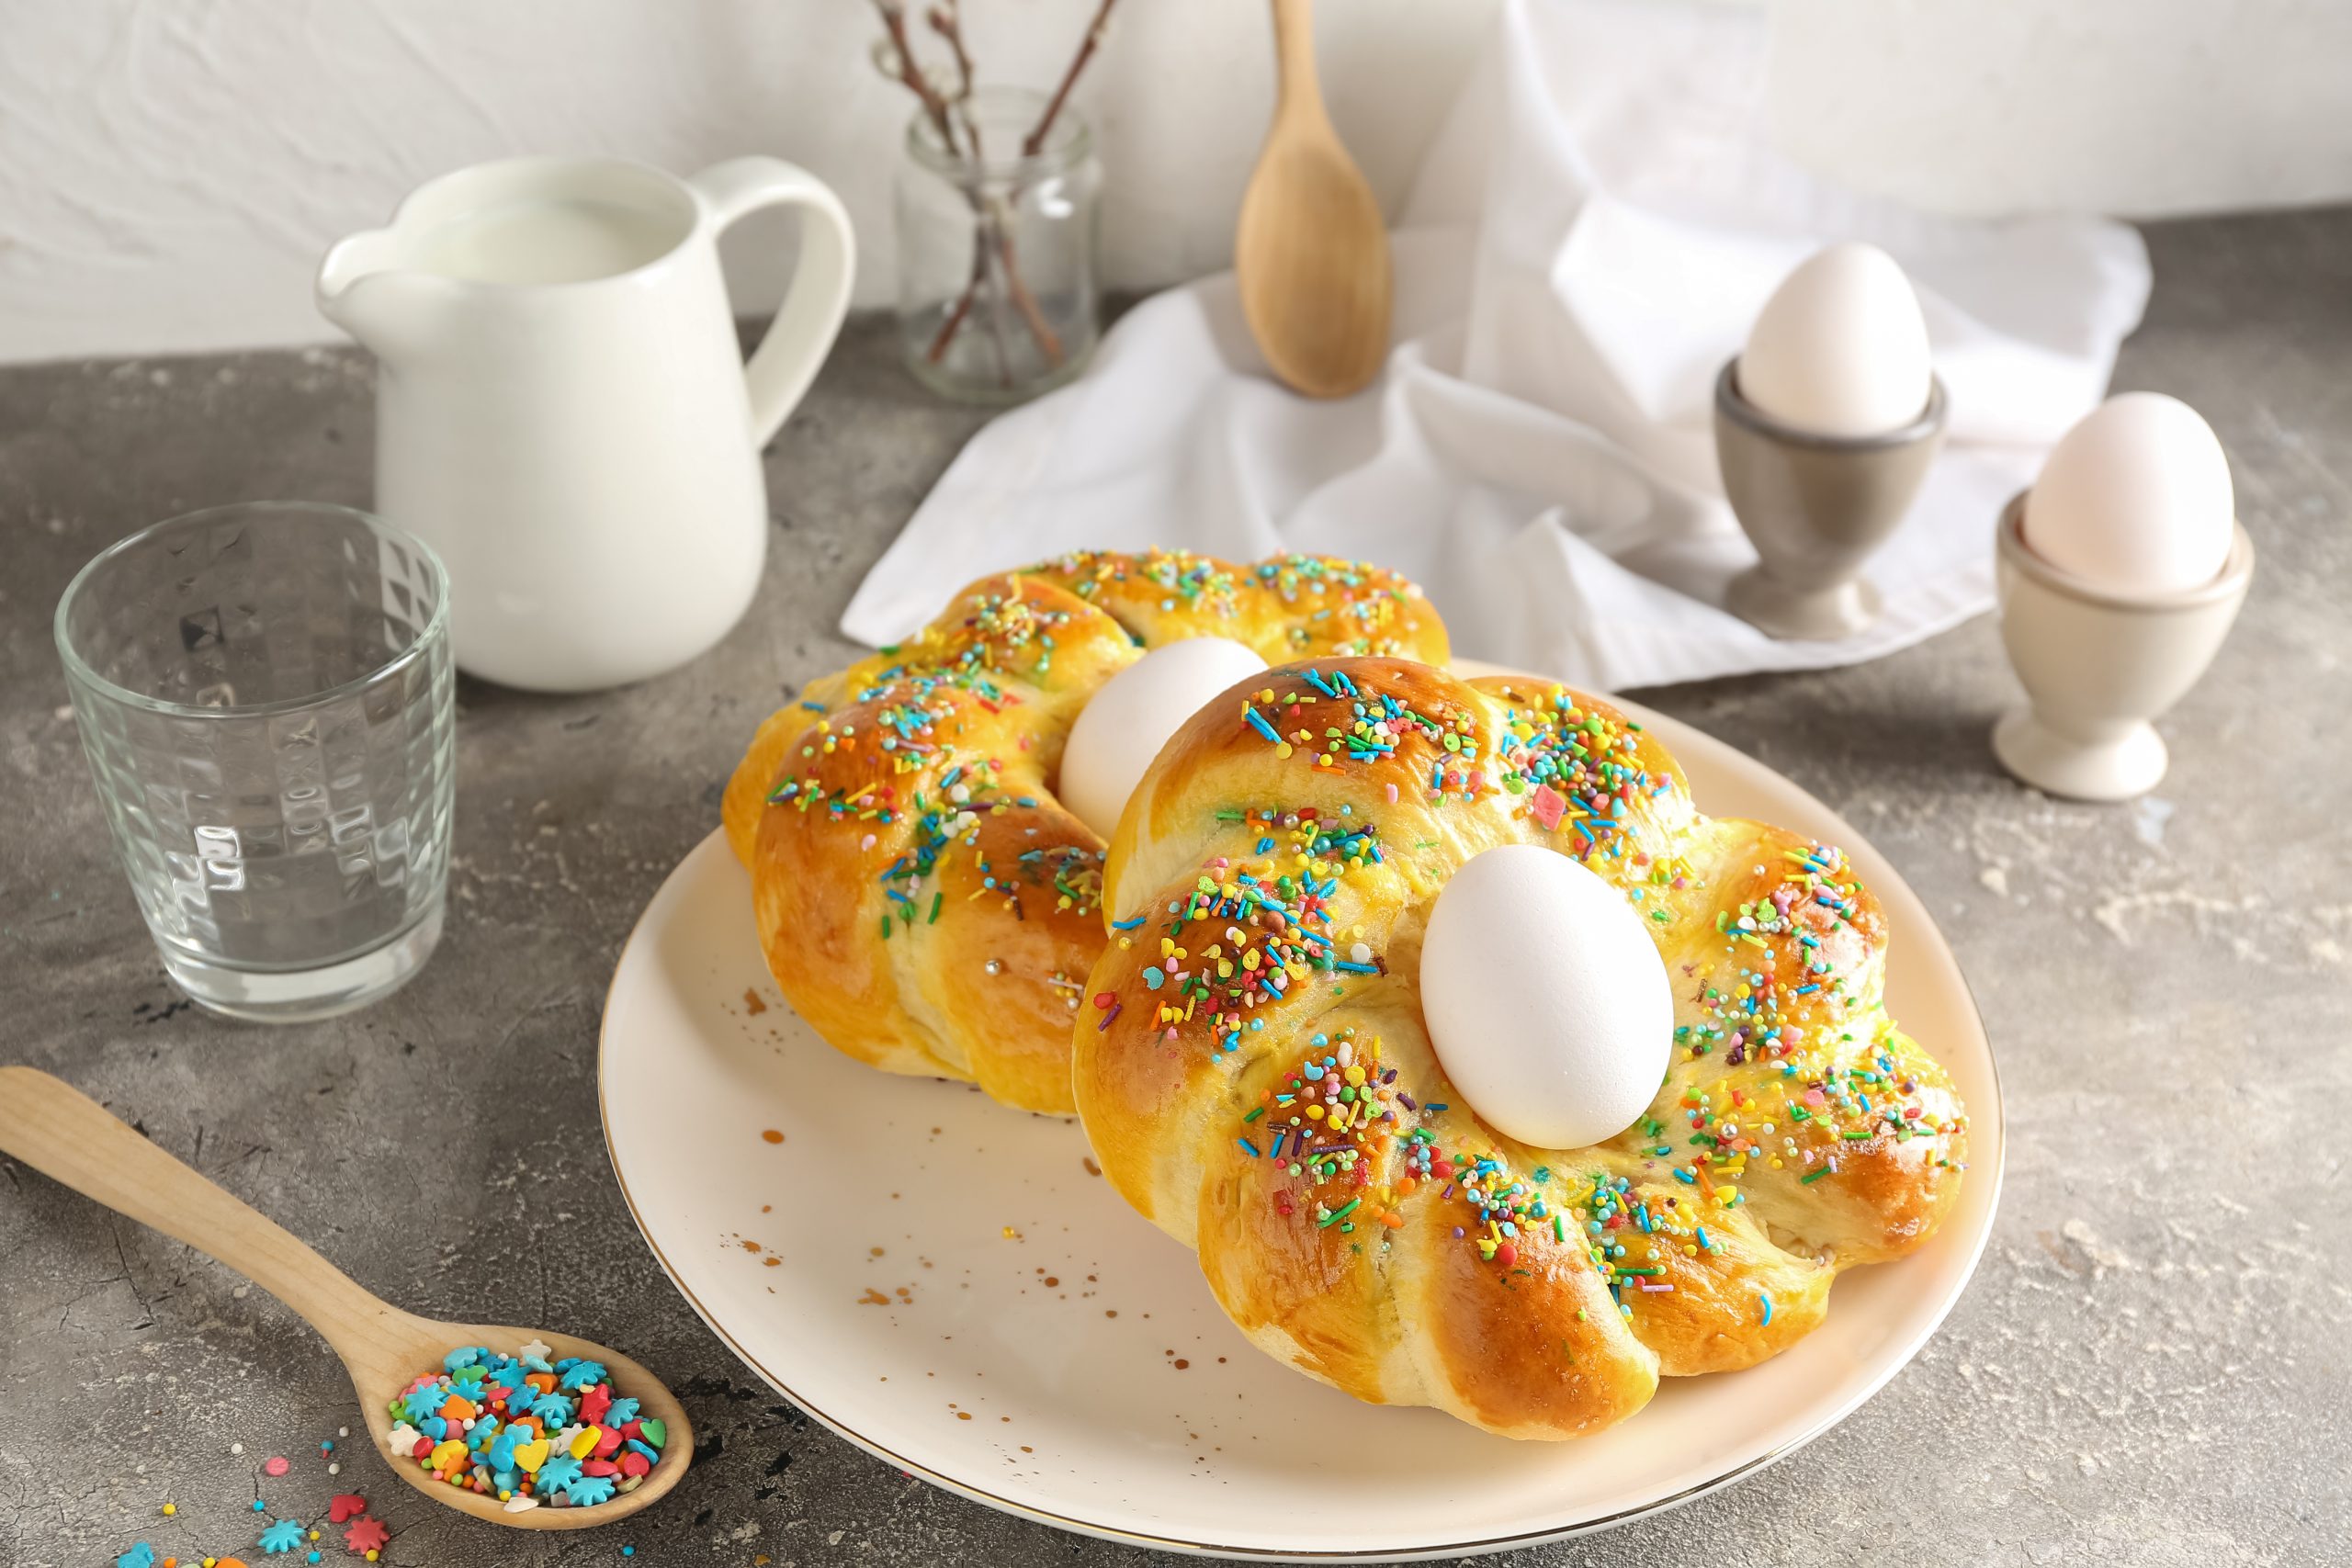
1255	1074
924	900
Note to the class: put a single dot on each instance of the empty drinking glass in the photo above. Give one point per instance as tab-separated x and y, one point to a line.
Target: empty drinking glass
265	694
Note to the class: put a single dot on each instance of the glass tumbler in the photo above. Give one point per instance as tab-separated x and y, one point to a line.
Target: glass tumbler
266	697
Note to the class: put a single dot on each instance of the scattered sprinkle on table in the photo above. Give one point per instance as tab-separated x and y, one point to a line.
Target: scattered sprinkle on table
281	1538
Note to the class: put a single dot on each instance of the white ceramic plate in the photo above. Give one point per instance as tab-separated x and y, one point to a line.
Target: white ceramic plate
948	1285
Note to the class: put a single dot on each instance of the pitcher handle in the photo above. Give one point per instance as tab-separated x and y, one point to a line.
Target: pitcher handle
810	319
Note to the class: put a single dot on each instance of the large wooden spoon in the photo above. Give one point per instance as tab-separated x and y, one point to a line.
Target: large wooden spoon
1311	250
58	1130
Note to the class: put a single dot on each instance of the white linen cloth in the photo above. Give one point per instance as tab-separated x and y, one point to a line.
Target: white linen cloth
1587	240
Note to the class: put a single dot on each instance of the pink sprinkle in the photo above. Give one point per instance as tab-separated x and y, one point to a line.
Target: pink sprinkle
1548	803
1392	795
275	1466
866	842
1814	1097
1478	780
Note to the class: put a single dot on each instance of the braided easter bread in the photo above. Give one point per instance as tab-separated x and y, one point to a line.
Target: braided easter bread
924	901
1256	1076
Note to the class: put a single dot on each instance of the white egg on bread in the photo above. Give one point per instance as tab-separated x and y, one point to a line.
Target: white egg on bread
1545	998
1133	714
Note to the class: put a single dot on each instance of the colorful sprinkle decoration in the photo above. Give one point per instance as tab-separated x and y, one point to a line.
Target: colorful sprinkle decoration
528	1431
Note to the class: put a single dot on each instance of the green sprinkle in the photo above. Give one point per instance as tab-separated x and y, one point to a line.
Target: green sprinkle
936	900
1809	1180
1335	1216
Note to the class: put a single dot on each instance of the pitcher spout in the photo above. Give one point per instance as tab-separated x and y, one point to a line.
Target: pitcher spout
365	288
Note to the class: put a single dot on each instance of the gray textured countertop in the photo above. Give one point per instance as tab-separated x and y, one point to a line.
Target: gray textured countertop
2150	1366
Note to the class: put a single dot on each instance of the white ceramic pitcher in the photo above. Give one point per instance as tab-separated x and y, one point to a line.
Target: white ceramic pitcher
562	411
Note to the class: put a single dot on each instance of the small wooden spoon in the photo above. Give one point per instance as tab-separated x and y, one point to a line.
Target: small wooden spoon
56	1129
1311	250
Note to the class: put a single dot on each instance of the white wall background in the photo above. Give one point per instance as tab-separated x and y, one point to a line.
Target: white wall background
171	169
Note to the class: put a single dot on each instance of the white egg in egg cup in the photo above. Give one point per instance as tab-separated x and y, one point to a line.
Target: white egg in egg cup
2099	665
1816	507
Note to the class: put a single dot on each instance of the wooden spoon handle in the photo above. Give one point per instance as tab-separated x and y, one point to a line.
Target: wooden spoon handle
56	1129
1298	88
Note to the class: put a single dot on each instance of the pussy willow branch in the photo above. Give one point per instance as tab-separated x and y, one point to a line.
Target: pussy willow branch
1034	142
1050	343
992	234
894	22
948	23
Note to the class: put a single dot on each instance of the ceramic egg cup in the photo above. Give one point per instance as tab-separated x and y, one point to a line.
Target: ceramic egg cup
2099	666
1815	507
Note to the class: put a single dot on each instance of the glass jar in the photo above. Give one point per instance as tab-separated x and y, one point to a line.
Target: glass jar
997	293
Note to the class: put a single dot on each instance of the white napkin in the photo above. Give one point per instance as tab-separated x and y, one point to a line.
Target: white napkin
1589	239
